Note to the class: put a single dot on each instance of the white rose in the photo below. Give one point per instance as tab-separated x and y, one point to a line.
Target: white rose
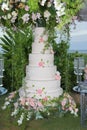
43	2
4	17
49	4
7	103
59	13
47	14
19	122
4	6
14	13
58	73
9	16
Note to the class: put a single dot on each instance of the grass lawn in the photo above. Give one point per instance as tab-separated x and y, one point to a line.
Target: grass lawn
67	122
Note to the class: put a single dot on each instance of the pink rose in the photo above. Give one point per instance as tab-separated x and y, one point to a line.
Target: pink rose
76	110
39	91
39	104
41	40
41	64
32	104
70	108
22	101
28	99
63	103
45	98
57	77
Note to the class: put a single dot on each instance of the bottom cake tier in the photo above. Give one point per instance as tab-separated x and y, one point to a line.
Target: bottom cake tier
41	89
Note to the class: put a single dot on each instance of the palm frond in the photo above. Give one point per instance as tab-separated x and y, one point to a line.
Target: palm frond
15	46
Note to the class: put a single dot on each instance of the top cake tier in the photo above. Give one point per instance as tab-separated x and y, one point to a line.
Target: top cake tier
40	35
41	41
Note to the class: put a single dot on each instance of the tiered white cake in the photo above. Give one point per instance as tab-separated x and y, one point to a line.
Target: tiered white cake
42	78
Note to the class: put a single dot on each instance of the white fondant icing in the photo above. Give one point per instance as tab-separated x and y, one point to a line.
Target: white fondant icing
40	73
35	59
48	85
42	78
52	93
40	48
40	33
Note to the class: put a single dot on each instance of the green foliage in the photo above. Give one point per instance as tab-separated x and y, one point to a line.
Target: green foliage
73	6
61	61
33	4
64	62
16	46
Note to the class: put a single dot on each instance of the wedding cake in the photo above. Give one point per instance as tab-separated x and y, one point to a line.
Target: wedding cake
42	78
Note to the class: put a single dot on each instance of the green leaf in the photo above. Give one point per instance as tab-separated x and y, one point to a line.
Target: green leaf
33	4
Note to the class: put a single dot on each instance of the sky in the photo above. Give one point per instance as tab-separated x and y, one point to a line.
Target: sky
79	36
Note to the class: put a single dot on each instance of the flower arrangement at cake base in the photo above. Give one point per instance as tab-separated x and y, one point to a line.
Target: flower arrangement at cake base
25	109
